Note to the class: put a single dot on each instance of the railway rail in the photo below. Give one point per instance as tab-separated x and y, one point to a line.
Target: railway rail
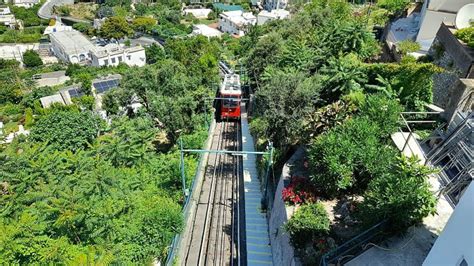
216	232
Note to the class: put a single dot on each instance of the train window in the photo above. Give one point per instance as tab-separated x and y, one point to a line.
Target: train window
231	102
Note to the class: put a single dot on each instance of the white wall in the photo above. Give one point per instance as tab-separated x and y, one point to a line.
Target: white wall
225	25
456	242
68	58
136	58
448	5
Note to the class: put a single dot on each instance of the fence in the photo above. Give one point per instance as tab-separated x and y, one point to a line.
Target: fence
355	246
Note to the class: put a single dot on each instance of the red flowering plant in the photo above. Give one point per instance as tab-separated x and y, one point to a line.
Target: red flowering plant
299	191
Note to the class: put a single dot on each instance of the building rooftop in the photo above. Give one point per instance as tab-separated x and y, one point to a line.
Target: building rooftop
275	13
227	7
238	17
72	42
198	12
25	2
47	101
113	48
206	31
55	74
4	10
104	84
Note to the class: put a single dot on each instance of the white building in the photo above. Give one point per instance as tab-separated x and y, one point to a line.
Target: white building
275	4
4	10
236	22
113	54
57	27
422	27
7	18
25	3
201	13
71	46
455	245
201	29
16	51
275	14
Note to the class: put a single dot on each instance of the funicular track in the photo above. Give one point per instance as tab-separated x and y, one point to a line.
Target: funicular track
215	235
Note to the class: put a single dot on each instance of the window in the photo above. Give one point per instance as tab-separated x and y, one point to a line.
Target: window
231	103
120	59
106	62
129	57
113	60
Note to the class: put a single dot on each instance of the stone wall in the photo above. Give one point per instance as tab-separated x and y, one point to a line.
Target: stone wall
283	252
460	98
455	58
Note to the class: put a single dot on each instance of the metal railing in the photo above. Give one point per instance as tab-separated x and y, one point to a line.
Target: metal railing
355	246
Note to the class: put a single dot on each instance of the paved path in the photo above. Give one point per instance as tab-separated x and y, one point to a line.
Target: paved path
258	242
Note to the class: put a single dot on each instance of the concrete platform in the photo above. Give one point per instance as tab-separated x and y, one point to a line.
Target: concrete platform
411	248
412	148
256	226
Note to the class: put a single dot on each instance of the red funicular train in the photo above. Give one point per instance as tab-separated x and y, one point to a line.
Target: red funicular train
230	95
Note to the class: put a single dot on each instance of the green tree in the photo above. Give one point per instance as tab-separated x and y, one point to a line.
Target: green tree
143	24
115	28
70	130
31	59
154	53
130	142
287	97
402	196
105	12
85	79
83	27
86	102
344	75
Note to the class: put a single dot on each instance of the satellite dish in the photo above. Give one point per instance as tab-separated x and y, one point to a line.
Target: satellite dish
465	16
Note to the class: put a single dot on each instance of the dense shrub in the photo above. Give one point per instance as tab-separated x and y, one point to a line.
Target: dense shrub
28	15
299	191
394	6
408	46
307	224
383	111
327	117
105	12
143	24
284	100
115	28
466	35
349	154
402	195
70	130
83	27
31	59
412	83
17	36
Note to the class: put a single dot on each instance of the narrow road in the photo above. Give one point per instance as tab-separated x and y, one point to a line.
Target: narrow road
46	10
